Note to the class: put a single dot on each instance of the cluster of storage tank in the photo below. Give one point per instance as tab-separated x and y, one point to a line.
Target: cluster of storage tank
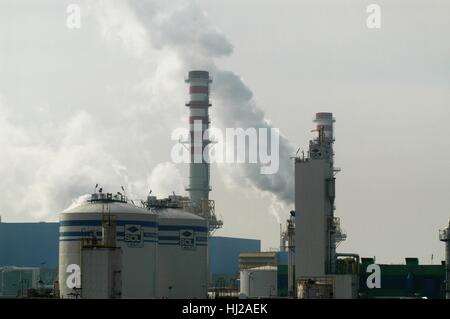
163	247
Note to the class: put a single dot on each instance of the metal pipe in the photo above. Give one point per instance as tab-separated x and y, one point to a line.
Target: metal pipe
291	252
444	236
348	255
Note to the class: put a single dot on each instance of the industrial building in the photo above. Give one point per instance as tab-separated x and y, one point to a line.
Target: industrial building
263	274
137	230
39	240
156	250
159	249
259	282
26	281
29	244
410	280
108	247
323	273
224	260
318	230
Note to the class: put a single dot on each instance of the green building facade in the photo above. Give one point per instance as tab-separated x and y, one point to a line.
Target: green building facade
410	280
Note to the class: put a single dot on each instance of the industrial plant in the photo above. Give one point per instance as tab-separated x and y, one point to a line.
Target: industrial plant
110	247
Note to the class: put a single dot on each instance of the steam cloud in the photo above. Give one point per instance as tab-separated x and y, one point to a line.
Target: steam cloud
184	28
54	149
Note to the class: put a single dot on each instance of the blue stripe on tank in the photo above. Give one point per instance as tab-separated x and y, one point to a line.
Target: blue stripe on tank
99	234
178	244
199	239
65	223
69	223
145	241
180	227
169	238
119	240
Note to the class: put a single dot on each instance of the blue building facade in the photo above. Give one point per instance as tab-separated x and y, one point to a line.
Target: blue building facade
29	244
224	258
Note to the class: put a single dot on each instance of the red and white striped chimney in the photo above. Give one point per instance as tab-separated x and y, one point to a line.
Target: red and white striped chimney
199	187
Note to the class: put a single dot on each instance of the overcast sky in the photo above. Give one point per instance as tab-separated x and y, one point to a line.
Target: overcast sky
98	104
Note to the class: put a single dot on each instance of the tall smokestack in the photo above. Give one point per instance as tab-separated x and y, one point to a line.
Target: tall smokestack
324	125
322	147
318	231
199	187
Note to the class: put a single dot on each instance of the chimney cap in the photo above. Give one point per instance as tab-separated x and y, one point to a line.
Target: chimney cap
197	74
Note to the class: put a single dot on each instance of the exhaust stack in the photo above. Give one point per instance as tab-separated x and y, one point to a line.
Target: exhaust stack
199	171
199	187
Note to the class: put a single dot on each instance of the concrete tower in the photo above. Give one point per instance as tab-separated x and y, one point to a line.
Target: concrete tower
199	178
317	230
199	187
444	235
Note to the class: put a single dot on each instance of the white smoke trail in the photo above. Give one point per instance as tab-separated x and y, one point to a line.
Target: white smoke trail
71	131
79	201
181	27
166	179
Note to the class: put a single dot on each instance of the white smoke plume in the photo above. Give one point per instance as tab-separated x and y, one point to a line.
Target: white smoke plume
236	108
183	28
75	118
79	200
167	179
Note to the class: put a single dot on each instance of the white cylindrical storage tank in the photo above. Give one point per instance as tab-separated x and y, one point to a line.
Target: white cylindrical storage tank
136	235
259	282
182	254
